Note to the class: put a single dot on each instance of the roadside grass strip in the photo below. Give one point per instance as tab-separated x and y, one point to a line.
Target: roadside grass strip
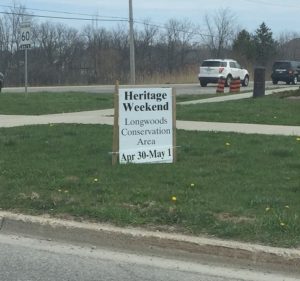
50	103
277	109
233	186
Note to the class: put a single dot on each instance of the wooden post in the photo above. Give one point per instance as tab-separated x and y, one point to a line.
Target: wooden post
174	123
115	146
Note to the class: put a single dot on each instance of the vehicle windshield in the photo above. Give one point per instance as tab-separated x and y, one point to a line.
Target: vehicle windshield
281	65
213	63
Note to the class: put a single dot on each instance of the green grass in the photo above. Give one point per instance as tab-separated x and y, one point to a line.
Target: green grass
274	109
47	103
243	187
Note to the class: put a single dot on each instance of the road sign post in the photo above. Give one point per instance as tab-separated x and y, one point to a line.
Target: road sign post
26	44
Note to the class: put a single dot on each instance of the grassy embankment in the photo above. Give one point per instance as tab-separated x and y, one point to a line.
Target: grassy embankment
234	186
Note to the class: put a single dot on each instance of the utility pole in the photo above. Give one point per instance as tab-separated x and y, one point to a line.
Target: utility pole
131	43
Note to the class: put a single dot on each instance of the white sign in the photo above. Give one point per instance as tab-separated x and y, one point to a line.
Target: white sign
25	35
145	125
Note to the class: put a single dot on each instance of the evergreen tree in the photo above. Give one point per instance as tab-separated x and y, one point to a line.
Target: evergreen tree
265	45
243	46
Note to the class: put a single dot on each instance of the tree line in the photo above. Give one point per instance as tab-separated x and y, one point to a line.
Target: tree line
63	55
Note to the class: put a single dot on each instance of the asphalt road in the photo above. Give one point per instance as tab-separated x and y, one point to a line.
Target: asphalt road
29	259
180	88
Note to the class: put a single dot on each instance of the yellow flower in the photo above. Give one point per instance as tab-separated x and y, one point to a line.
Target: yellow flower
192	184
174	199
268	209
282	224
298	139
95	180
66	191
227	144
287	206
59	190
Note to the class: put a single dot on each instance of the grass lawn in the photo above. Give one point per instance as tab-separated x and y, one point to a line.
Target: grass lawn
276	109
242	187
47	103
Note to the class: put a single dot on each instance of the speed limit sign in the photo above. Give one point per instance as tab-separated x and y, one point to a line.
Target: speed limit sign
25	35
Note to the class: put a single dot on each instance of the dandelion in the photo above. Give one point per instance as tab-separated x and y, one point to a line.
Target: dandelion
275	117
287	206
227	144
173	198
192	184
268	209
282	224
298	139
59	190
96	180
66	191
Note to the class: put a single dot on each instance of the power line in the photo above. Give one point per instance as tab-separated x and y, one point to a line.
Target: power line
180	30
272	3
91	18
64	12
63	18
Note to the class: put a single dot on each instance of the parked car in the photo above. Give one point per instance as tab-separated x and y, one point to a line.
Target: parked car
286	71
1	81
211	70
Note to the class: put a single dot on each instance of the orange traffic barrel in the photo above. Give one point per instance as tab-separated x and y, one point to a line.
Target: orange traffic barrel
221	85
235	85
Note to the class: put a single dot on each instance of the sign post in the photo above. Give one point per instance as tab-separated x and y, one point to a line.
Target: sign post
25	44
26	72
146	125
115	146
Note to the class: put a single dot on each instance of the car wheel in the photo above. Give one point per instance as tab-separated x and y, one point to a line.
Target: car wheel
275	82
203	84
295	80
245	82
228	81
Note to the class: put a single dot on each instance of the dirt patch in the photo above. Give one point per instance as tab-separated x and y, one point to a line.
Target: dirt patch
234	219
294	98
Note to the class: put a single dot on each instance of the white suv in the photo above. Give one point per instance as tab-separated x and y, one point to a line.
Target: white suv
211	70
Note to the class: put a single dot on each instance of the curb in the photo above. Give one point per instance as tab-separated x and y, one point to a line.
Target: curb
150	242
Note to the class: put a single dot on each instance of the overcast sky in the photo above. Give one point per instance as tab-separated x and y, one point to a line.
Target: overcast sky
280	16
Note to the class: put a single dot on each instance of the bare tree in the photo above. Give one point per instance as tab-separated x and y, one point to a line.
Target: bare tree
220	28
289	45
145	41
56	46
178	37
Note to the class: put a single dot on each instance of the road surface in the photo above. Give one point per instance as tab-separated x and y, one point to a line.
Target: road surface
181	89
29	259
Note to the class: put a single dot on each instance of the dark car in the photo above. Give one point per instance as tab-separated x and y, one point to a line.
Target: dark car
286	71
1	81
